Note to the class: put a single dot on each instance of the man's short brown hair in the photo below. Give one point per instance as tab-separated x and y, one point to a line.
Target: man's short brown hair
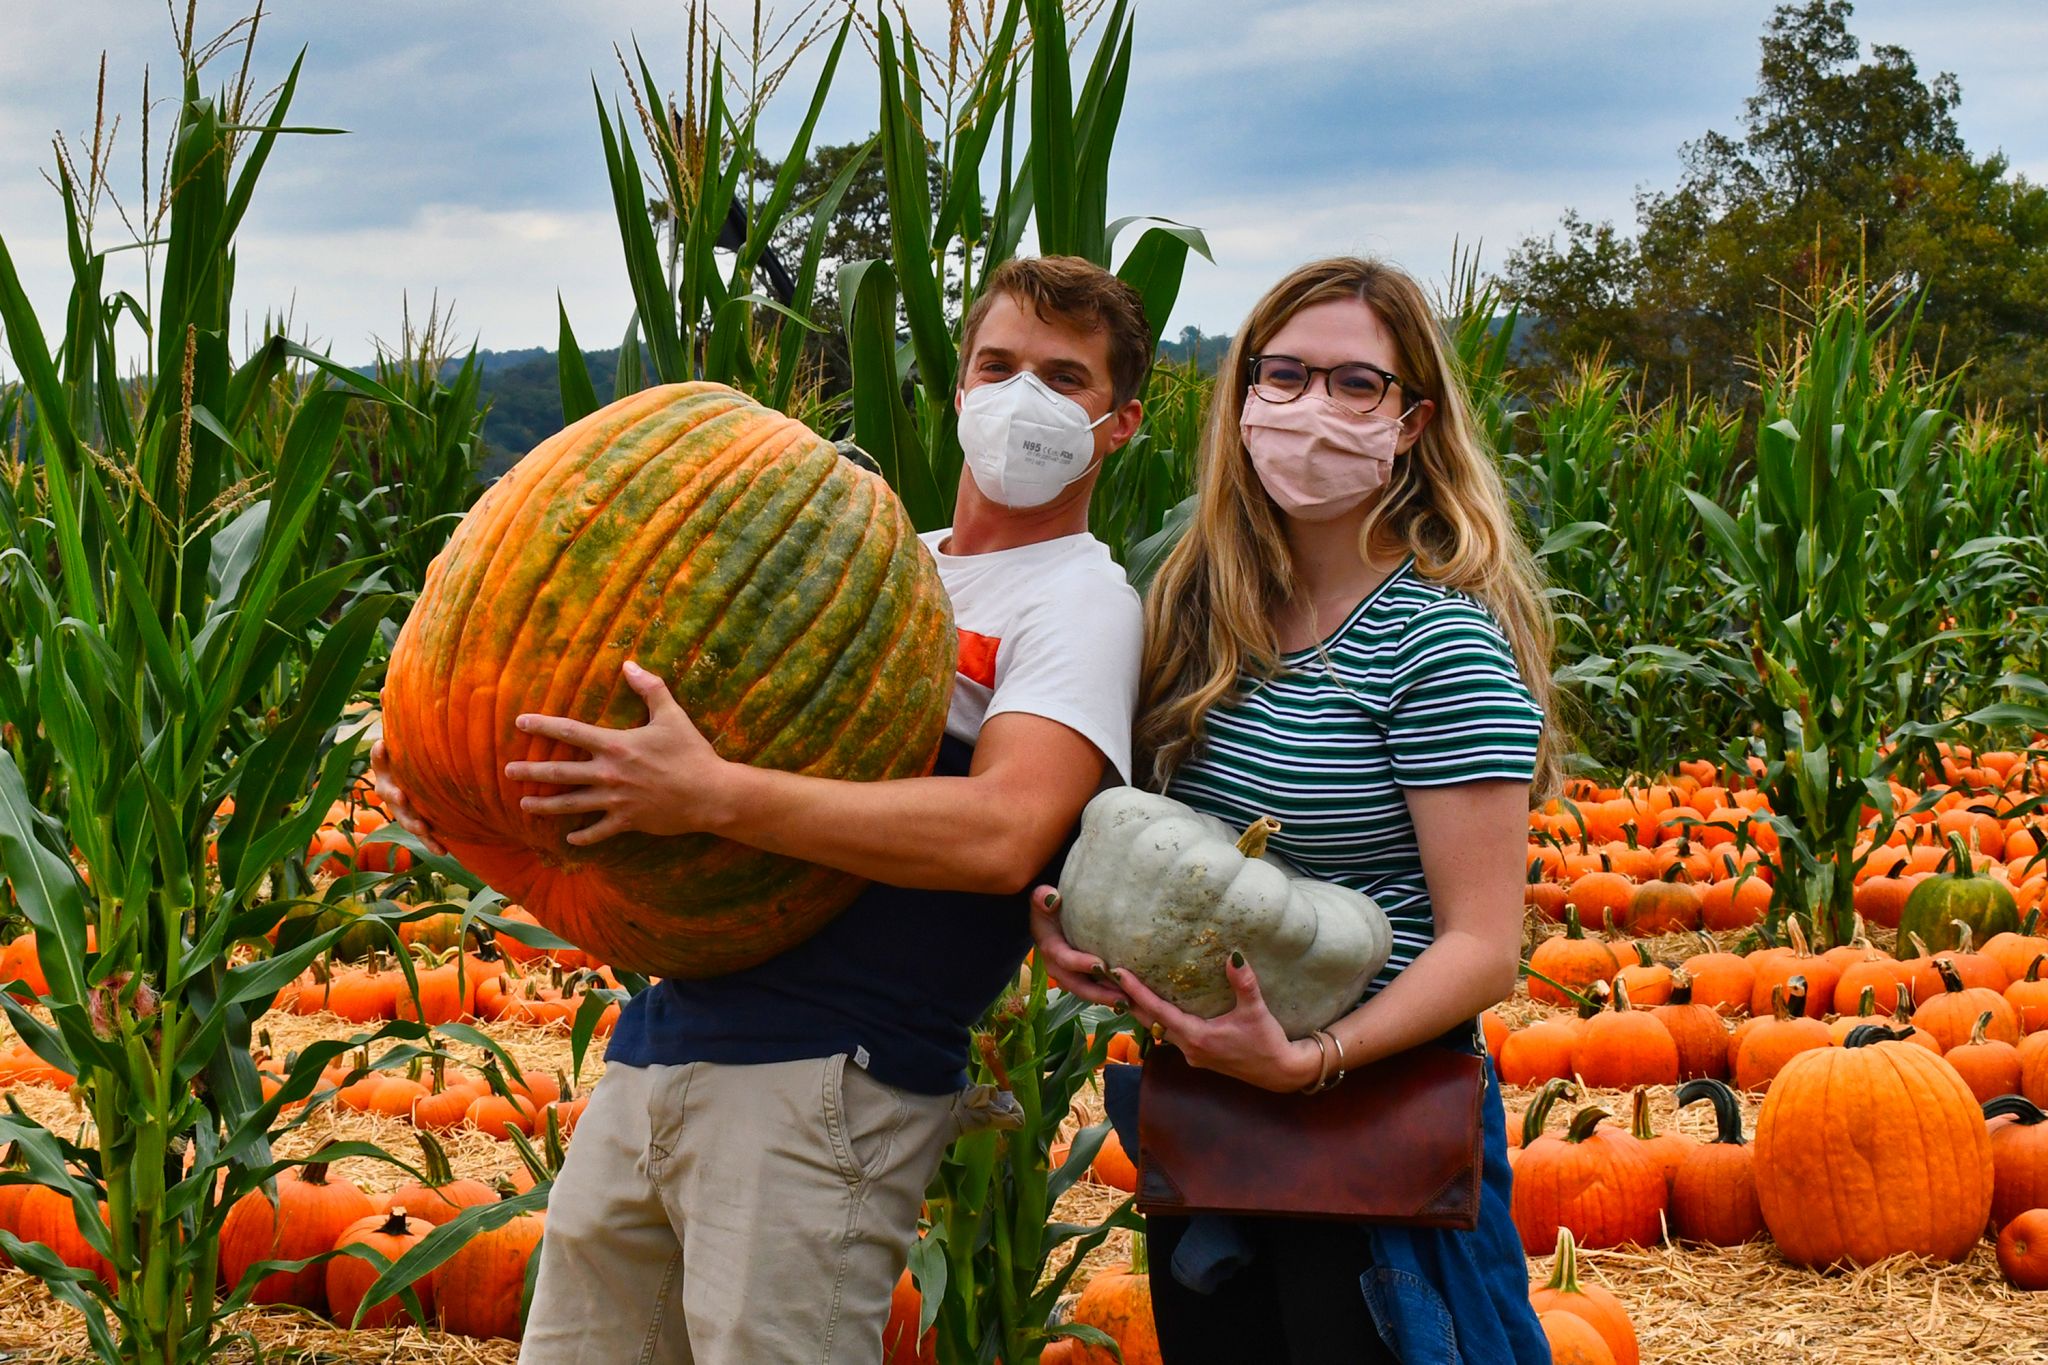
1080	292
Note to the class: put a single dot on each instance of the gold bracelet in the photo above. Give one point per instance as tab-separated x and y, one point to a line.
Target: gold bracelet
1337	1043
1323	1055
1323	1081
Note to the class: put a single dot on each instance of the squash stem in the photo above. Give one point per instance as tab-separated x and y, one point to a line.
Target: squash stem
1252	843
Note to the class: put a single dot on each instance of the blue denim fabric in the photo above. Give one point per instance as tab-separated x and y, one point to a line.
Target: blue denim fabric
1439	1296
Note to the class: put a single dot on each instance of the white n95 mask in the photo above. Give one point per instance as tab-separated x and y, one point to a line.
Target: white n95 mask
1023	442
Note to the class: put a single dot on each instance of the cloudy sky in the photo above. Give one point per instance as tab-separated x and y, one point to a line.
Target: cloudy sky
1286	128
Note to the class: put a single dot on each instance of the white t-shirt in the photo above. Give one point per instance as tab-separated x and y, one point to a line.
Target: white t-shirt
1052	629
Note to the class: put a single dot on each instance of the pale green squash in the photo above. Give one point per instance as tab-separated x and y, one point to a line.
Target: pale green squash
1166	892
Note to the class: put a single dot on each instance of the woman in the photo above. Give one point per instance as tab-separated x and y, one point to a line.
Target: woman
1350	639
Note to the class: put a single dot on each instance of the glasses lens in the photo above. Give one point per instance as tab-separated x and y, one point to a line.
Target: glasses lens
1279	378
1358	387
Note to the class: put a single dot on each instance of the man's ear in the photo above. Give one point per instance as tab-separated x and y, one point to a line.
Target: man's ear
1124	425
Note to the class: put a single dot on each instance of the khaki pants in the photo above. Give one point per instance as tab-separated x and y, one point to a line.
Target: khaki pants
735	1215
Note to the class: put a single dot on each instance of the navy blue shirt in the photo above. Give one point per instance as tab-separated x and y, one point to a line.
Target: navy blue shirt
900	977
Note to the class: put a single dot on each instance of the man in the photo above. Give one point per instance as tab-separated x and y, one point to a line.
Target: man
745	1184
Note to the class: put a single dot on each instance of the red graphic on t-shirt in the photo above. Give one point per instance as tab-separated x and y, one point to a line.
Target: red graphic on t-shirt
978	657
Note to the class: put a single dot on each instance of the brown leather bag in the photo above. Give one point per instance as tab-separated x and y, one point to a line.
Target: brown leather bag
1397	1142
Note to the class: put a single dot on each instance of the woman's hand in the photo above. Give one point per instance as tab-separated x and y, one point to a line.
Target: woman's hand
1073	971
395	805
1246	1043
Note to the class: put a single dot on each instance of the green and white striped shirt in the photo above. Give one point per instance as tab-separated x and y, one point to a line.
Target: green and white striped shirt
1420	689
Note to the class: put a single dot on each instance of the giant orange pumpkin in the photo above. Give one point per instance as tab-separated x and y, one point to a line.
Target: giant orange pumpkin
1872	1120
776	587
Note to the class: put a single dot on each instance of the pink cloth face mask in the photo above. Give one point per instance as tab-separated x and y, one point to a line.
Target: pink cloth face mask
1318	459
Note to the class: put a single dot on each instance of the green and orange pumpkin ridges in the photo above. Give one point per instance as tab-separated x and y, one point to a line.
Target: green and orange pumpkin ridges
776	587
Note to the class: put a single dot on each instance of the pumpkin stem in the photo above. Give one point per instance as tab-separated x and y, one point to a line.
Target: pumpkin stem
1584	1122
1538	1112
1863	1035
1866	1004
314	1173
1639	1115
1643	954
1681	986
1800	948
1564	1275
1252	843
1920	948
396	1225
1977	1030
438	1171
2016	1107
1141	1263
1596	996
2033	922
1951	979
2034	967
1620	988
1572	927
1966	867
1727	1109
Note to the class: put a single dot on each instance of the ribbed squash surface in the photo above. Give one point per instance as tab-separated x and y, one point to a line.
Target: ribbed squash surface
778	588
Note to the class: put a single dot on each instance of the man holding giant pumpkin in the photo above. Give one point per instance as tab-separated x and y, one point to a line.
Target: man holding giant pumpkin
745	1184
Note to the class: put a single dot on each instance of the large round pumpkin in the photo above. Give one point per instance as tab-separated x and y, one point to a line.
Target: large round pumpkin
1871	1149
778	589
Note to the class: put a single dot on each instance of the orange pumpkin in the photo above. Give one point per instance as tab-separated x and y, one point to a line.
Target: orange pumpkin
1842	1121
441	1194
1119	1303
1625	1047
1951	1016
2023	1250
1648	981
1598	1182
349	1278
2019	1157
1571	960
1773	1042
1698	1031
1988	1066
1540	1052
1664	907
1713	1192
1724	982
1573	1340
1112	1166
310	1214
477	1290
1598	1308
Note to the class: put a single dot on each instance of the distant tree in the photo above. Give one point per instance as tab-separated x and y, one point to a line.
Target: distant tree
1841	165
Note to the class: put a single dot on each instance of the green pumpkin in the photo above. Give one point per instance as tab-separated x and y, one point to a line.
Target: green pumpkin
1964	894
440	931
357	942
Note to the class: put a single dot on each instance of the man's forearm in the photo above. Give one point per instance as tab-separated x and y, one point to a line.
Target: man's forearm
940	833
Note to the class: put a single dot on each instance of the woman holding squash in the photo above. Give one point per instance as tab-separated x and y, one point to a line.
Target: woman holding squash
1350	640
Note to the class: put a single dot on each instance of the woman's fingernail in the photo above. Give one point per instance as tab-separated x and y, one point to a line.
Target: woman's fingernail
1121	1006
1052	900
1236	958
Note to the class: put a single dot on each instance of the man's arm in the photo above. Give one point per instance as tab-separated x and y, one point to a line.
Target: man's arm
991	831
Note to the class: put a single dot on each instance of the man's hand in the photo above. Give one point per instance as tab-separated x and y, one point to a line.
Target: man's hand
395	805
659	778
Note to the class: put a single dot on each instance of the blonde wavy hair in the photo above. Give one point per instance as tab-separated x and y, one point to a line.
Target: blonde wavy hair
1209	616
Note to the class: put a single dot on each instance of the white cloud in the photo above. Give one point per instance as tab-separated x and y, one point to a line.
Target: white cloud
1287	128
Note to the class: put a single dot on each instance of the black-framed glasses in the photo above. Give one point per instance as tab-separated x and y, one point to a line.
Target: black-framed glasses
1358	385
